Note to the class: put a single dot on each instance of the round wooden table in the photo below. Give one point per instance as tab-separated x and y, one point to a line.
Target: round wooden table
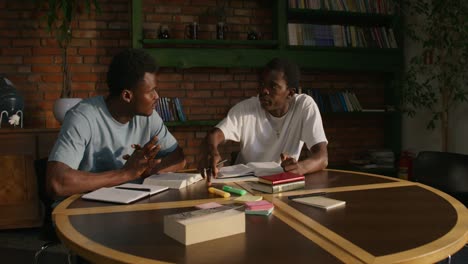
385	220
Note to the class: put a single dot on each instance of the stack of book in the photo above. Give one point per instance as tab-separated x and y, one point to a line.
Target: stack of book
281	182
259	208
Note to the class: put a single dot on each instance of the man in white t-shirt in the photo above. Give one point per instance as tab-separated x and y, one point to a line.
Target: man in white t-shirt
272	126
99	134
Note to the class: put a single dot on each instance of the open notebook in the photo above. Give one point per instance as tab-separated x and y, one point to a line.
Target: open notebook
250	169
124	193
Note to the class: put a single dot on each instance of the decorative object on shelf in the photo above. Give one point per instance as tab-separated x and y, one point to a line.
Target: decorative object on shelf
221	29
437	78
191	30
164	32
252	34
11	103
59	16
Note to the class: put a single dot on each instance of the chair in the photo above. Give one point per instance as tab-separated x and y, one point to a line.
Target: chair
47	231
445	171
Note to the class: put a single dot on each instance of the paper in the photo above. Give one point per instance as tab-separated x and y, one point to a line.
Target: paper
320	202
173	180
248	198
123	196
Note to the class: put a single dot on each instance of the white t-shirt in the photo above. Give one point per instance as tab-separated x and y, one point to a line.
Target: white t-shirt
92	140
264	137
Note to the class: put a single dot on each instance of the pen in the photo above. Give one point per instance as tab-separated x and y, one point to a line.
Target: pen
205	170
221	162
306	195
134	189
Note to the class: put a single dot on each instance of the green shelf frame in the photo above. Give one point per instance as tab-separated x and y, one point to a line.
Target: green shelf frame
212	42
323	59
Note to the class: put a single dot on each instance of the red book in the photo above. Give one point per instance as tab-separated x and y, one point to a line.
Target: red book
283	177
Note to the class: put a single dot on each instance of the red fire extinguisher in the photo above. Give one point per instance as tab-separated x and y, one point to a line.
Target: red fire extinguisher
405	165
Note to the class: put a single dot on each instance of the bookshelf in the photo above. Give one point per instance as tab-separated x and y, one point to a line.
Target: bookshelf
190	53
239	53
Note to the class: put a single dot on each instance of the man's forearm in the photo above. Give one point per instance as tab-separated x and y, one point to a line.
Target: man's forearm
173	162
213	140
65	181
317	159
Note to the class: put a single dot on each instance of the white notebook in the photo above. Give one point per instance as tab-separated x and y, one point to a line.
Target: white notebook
123	196
320	202
250	169
173	180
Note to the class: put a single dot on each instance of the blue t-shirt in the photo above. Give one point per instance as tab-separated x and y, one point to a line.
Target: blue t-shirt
92	140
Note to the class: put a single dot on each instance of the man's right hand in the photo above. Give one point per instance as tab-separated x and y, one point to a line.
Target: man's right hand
207	165
142	160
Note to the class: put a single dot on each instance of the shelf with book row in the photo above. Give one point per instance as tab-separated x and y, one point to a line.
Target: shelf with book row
172	113
185	53
341	36
170	109
341	102
360	6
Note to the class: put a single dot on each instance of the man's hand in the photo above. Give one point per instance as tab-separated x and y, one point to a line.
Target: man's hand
207	165
291	164
142	161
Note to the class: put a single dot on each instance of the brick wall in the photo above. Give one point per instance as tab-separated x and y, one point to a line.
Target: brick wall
30	57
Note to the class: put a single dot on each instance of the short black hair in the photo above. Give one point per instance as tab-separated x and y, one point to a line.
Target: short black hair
290	69
128	68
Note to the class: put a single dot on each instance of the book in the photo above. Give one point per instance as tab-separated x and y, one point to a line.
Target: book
267	188
320	202
250	169
202	225
124	193
280	178
173	180
234	179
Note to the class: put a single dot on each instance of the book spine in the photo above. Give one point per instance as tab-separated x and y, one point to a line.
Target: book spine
288	186
278	188
281	181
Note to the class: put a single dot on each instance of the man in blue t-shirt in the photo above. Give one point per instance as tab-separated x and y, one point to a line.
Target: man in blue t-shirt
106	141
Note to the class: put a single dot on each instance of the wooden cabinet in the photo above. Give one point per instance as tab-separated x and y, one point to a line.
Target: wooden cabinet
19	202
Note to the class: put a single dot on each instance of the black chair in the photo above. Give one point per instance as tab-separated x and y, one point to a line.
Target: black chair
47	231
447	172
